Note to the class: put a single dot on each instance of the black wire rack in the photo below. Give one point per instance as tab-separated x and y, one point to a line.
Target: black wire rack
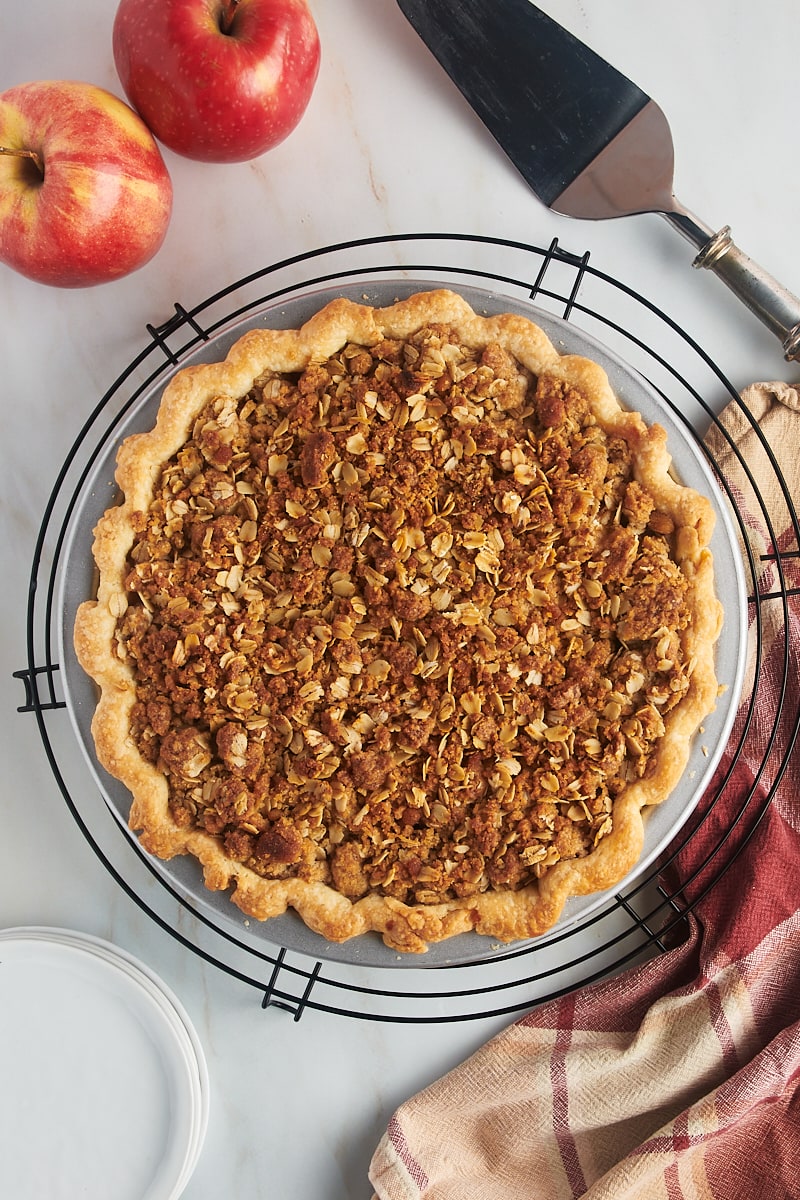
651	914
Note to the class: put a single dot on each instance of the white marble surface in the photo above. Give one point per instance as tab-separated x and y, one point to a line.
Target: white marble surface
387	146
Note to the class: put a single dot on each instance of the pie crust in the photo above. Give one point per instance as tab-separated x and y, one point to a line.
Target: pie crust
402	622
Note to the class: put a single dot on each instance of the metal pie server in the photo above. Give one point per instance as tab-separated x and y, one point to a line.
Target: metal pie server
587	140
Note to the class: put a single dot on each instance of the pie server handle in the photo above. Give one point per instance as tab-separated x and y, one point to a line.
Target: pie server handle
767	299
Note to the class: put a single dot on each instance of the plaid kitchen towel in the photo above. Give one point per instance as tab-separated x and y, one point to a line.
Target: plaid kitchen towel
680	1078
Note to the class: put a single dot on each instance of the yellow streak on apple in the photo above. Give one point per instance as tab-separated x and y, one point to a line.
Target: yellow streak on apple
124	118
18	194
96	191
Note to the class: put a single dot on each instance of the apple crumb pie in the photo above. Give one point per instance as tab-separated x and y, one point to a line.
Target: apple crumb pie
402	622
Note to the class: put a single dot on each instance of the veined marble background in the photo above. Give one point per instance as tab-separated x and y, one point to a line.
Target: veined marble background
386	147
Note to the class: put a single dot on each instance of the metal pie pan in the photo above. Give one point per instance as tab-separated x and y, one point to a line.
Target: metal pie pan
78	581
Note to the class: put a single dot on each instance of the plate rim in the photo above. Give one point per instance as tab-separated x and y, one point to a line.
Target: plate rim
45	945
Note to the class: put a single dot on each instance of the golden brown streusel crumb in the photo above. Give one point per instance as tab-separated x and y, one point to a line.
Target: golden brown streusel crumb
403	623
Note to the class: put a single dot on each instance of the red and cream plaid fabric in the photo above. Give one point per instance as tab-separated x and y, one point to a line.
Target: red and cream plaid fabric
681	1078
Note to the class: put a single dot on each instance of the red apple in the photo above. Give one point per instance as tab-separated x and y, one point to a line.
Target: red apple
85	196
217	80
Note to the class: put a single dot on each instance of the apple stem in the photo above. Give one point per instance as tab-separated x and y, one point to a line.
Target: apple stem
31	154
228	15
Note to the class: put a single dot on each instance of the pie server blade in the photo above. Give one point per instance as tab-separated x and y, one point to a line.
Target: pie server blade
588	141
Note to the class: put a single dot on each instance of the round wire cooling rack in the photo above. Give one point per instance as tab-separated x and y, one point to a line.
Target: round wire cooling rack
646	916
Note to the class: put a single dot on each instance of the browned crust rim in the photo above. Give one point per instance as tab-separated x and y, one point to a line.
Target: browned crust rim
502	915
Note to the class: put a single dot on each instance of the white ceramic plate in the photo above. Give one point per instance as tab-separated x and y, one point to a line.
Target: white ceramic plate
105	1088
